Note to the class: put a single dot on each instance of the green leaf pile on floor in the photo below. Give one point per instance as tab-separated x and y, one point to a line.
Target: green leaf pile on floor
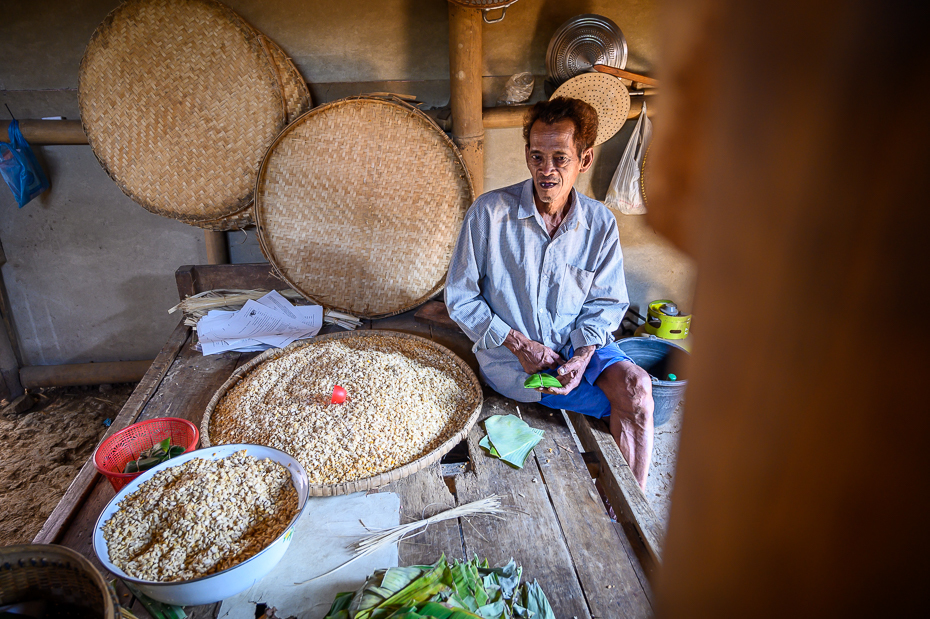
456	590
510	438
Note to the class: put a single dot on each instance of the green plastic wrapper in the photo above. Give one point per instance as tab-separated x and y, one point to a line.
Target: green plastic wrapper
510	438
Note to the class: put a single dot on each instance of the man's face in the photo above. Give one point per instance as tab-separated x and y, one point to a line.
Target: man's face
554	161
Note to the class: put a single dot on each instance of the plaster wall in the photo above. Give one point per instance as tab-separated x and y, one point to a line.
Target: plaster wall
90	273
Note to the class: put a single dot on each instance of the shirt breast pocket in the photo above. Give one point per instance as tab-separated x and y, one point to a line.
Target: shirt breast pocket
573	290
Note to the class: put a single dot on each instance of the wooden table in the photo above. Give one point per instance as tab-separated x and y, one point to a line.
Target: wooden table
588	565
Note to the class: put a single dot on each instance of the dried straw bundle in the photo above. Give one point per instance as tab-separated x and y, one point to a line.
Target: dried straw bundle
197	306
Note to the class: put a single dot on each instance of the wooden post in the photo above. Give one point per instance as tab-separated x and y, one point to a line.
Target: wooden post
217	249
803	467
465	54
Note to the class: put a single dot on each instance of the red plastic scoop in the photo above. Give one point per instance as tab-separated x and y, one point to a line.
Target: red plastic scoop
339	395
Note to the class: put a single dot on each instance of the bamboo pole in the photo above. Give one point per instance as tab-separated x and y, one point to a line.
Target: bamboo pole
465	54
48	131
74	374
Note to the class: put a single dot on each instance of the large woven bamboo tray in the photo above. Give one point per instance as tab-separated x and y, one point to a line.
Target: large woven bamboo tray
368	483
180	100
359	203
297	100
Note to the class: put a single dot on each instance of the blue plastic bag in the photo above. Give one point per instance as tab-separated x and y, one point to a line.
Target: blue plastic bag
20	169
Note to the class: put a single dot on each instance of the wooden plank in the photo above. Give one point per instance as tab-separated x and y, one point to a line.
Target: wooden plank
190	384
457	343
403	323
611	584
619	484
531	533
436	314
421	495
193	279
83	483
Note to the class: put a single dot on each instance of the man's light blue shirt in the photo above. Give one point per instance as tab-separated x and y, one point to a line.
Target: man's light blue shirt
507	273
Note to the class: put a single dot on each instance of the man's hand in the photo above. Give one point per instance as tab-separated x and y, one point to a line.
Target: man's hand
533	356
571	373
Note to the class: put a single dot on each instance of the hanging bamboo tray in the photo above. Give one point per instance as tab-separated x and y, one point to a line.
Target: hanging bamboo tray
180	101
297	100
359	203
368	483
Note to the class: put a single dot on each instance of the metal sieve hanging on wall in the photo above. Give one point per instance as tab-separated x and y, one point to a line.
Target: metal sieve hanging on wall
582	42
487	6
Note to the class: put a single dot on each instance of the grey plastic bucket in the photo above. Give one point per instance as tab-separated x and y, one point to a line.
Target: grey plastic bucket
660	358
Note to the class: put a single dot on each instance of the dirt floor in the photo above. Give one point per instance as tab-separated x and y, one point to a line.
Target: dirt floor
42	450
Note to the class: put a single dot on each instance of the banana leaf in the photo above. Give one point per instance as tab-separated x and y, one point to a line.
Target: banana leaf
507	578
456	590
511	438
535	381
420	590
433	610
340	607
536	601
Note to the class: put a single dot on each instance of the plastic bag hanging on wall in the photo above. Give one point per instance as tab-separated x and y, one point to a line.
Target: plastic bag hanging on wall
19	167
625	192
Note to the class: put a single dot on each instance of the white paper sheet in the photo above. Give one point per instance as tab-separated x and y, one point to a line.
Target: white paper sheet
321	540
270	321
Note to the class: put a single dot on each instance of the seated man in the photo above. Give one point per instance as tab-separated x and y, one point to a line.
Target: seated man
536	281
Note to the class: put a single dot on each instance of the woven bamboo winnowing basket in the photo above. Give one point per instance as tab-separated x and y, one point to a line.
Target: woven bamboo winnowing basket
56	575
180	100
296	101
368	483
359	203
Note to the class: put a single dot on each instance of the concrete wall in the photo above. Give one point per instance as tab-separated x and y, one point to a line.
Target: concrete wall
90	273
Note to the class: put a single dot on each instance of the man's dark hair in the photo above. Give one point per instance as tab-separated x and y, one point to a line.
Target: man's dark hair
582	115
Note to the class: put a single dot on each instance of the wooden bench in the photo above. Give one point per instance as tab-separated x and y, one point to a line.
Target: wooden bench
559	531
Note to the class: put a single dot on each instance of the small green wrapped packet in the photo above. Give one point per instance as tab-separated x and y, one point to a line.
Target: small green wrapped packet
536	381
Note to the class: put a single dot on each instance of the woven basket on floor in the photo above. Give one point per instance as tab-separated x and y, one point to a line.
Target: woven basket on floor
59	577
369	483
359	203
296	101
180	101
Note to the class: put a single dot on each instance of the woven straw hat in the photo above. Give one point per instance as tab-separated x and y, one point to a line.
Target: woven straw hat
359	203
368	483
606	94
179	101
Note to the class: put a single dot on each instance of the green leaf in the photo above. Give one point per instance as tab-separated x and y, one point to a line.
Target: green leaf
485	443
145	464
492	611
512	438
175	451
509	578
339	609
418	590
131	467
536	602
165	444
535	381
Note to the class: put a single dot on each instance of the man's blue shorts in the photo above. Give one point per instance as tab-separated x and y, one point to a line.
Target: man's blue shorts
587	398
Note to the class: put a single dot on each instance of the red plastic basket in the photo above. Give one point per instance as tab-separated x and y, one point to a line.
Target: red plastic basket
113	453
